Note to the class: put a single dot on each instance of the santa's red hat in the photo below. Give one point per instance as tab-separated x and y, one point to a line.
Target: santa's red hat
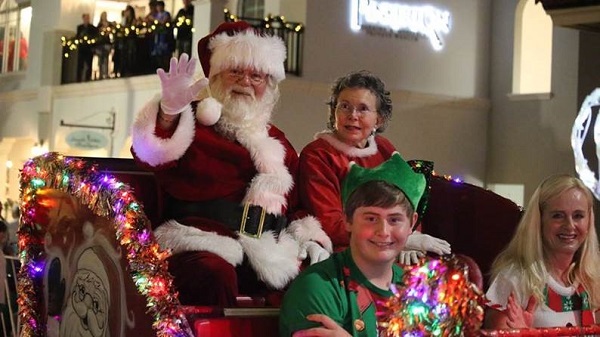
239	45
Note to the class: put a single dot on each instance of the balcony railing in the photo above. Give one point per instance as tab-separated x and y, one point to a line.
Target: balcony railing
127	50
292	34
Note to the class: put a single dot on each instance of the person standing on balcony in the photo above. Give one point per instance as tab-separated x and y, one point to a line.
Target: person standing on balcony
86	34
184	22
152	11
163	43
104	46
125	44
233	224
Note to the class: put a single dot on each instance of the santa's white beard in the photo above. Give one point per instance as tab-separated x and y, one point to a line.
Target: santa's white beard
243	113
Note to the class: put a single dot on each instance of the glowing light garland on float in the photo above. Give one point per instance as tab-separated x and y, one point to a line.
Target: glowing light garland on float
107	197
591	330
435	299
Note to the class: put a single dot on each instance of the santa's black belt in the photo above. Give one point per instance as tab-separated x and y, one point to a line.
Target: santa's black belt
247	219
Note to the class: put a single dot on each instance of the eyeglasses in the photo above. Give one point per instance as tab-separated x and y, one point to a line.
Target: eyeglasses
348	108
256	78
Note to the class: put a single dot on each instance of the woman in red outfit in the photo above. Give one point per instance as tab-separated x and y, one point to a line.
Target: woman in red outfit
359	110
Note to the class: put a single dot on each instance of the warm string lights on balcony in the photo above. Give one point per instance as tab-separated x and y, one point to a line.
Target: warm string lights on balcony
70	44
105	196
268	22
184	21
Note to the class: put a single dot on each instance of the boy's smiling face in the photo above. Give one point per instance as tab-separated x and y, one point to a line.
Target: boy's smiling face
378	235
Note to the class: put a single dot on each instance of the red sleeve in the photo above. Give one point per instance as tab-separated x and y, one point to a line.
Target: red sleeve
319	188
161	133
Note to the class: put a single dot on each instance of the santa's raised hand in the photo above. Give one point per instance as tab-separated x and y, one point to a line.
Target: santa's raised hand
179	88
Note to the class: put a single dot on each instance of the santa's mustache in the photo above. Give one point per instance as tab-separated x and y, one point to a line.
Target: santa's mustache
237	89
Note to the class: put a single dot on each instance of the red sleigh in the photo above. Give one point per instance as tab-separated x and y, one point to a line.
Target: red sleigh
90	262
91	266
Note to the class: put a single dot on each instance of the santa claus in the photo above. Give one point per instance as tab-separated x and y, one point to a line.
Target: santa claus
233	225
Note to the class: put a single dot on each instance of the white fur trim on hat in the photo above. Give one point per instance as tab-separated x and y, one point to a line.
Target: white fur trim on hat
275	260
309	229
154	150
180	238
208	111
248	50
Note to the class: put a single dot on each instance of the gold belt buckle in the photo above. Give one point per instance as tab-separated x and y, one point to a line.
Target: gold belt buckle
261	223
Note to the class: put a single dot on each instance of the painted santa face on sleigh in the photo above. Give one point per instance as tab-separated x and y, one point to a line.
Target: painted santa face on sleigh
86	313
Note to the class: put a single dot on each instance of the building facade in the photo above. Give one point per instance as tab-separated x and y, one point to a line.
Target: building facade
450	73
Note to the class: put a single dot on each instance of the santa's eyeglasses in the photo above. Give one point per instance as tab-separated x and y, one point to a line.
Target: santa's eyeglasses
255	77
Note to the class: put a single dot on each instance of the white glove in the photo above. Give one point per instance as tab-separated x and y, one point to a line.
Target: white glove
427	243
410	257
178	87
314	251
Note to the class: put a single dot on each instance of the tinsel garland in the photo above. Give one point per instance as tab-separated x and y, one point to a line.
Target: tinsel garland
591	330
435	298
106	197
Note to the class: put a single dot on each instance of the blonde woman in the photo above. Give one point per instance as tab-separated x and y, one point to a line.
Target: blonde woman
548	274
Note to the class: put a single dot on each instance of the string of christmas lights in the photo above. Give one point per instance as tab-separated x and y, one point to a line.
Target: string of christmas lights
113	33
591	330
107	197
435	298
267	22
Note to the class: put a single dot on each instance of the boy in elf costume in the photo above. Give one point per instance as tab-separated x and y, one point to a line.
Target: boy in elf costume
337	297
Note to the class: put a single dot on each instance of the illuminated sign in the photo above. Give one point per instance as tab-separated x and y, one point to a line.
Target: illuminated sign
422	20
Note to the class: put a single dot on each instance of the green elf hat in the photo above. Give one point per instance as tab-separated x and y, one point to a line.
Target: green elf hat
394	171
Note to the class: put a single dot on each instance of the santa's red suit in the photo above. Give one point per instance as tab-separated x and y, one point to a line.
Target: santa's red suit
195	164
232	220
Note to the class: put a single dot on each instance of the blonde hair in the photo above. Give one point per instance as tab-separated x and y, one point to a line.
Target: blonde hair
525	251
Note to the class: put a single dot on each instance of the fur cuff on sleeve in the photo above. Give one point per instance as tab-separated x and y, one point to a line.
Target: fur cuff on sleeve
155	150
274	260
180	238
309	229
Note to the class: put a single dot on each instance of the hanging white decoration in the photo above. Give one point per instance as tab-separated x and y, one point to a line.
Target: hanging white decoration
578	135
